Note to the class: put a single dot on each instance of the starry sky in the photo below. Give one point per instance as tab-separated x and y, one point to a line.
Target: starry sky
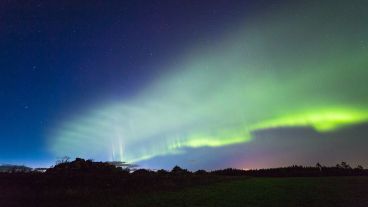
200	84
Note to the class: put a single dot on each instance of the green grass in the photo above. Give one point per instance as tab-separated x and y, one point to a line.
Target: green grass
327	191
246	191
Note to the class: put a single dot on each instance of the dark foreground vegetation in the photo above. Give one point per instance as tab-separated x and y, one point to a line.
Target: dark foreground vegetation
265	192
87	183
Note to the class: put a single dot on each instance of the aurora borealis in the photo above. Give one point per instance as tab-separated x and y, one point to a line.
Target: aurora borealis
279	85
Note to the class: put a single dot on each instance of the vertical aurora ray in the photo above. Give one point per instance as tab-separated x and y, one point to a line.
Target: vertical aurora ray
278	70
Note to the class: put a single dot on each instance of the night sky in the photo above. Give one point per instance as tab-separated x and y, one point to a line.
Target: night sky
200	84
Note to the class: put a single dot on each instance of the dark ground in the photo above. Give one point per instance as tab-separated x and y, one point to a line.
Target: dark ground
183	190
323	191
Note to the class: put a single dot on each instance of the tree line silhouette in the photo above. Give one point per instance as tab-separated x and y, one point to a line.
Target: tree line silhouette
69	181
82	166
342	169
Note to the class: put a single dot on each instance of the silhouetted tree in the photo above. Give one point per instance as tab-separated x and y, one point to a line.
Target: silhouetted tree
200	172
81	165
162	172
179	171
345	165
142	172
359	167
64	159
319	166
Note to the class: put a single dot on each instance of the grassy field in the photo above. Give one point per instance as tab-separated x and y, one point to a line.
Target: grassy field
186	191
325	191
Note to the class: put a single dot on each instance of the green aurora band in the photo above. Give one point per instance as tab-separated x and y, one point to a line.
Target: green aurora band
300	67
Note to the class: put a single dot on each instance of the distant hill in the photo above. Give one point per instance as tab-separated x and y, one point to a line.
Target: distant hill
6	168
